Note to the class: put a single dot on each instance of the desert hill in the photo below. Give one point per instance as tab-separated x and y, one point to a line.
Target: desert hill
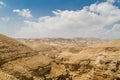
61	41
18	61
59	59
11	49
53	46
112	43
83	59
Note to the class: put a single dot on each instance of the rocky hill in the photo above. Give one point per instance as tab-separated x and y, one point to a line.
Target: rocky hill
59	59
11	49
80	59
17	61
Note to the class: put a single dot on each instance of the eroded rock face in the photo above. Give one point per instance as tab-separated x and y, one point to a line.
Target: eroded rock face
107	69
101	68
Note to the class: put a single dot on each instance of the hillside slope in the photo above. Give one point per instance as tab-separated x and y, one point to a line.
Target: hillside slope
11	49
18	61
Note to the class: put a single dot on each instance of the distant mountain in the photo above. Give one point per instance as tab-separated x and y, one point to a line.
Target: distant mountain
62	41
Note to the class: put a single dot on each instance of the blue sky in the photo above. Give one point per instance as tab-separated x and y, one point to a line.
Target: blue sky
37	18
44	7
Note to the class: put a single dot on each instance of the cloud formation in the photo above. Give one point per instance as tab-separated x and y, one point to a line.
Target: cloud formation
2	4
5	19
24	12
113	1
97	20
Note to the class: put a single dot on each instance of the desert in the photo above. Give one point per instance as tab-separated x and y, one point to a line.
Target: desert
59	59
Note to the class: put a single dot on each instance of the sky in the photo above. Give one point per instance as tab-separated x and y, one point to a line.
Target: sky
60	18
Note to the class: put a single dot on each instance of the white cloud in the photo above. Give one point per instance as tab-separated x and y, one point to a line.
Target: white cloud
2	4
5	19
97	20
24	13
113	1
